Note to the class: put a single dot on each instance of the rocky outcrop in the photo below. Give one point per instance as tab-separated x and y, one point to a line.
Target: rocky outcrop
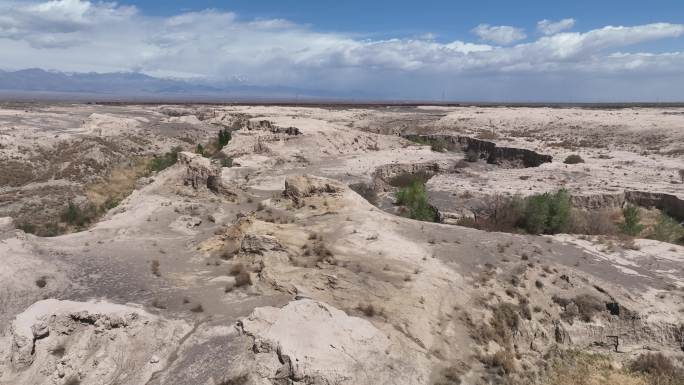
266	125
598	201
302	186
87	342
401	174
311	342
259	244
6	224
669	203
509	157
202	174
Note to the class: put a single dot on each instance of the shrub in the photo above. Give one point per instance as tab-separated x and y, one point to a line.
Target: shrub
631	225
369	310
667	229
547	213
504	360
154	267
450	375
658	369
472	156
242	379
199	149
76	216
243	279
436	144
227	162
593	222
41	282
159	163
414	197
681	174
224	137
197	308
573	159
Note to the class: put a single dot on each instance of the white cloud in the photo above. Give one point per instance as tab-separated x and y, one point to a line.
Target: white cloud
548	27
82	36
502	34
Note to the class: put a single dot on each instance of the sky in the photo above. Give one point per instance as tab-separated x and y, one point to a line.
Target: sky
484	50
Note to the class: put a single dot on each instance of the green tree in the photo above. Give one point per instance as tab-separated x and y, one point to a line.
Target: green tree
631	225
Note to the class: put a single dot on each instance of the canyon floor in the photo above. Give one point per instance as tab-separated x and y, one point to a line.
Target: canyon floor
283	257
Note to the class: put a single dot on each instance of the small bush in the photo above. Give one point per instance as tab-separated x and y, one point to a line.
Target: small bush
450	375
199	149
573	159
631	225
41	282
503	360
668	230
369	310
658	369
414	197
242	379
243	279
472	156
197	308
76	216
154	267
159	163
227	162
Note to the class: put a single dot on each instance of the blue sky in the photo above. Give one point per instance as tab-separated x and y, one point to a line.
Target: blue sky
447	19
476	50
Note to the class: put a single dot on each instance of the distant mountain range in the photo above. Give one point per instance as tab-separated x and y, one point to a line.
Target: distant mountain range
37	82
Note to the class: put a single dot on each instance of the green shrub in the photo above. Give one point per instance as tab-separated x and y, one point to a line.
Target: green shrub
199	149
77	216
547	213
159	163
414	197
573	159
631	225
667	229
224	137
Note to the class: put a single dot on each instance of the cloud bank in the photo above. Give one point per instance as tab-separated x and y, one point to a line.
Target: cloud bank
219	46
502	34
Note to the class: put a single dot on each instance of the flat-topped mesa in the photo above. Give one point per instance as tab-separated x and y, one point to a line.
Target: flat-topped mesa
200	172
509	157
267	125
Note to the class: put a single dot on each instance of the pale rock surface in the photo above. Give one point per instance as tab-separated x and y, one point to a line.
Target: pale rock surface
319	344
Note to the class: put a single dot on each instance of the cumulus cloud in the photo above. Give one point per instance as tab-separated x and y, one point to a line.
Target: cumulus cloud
548	27
501	34
83	36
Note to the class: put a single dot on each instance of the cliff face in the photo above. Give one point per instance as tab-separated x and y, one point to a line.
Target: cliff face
508	157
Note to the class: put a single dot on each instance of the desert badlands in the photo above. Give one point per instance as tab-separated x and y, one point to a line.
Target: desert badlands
246	244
